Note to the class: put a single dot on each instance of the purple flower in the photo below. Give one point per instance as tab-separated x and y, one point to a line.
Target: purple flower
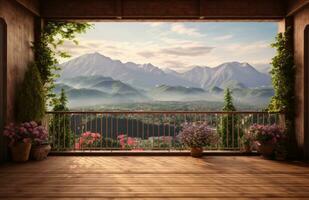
196	134
266	133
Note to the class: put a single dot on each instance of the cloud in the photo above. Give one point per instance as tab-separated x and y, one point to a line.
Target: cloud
223	37
146	54
180	28
187	51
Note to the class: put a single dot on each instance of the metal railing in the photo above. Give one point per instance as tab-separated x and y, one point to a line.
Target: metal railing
147	131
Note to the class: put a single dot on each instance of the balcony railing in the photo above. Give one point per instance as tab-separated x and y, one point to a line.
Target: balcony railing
146	131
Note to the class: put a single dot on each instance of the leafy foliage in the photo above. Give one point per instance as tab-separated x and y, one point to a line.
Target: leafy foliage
46	50
282	74
283	79
30	103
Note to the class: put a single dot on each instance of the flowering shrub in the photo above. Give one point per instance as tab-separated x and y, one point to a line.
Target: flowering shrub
26	132
266	133
196	134
127	142
88	139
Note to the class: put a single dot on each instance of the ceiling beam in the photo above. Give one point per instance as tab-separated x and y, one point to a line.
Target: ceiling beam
295	5
163	9
30	5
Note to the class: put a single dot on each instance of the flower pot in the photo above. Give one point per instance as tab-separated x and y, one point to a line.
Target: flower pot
196	152
266	149
40	152
20	152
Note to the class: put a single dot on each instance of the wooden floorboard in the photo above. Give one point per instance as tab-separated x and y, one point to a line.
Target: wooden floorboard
178	177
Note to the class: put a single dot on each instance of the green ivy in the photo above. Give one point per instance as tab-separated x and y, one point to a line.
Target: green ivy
283	79
53	35
283	75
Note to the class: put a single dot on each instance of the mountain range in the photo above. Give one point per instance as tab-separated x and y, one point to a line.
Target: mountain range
93	79
146	76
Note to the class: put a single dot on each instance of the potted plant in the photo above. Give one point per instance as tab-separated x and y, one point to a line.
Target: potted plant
40	147
19	142
266	137
196	136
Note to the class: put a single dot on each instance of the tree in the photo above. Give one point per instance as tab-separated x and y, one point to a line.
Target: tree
228	101
229	127
30	104
60	124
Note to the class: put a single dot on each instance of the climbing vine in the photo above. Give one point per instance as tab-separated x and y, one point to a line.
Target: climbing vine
283	78
47	52
282	74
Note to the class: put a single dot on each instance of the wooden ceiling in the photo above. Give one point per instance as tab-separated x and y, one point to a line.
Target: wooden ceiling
163	9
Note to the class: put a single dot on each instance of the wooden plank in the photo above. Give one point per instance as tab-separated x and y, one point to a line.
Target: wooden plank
163	9
155	177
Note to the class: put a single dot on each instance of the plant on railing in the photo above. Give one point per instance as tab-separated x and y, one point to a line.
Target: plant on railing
228	127
88	139
46	50
30	101
283	79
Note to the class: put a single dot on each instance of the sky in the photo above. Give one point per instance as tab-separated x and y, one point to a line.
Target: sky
180	45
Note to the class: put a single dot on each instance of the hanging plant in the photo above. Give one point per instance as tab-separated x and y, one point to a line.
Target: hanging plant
47	52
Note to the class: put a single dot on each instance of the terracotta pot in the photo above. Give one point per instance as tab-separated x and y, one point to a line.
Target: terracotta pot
266	149
20	152
196	152
40	152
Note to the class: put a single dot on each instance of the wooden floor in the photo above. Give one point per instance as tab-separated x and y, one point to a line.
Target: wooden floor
213	177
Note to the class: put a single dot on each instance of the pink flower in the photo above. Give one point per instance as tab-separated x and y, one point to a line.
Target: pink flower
27	140
33	124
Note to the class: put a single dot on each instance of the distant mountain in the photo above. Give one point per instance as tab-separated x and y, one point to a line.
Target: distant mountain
139	76
215	90
84	93
173	93
232	74
97	90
